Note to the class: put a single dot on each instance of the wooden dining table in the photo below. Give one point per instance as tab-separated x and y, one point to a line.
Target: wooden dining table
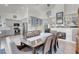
35	42
33	45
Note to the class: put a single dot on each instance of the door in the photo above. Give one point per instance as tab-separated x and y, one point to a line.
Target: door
77	40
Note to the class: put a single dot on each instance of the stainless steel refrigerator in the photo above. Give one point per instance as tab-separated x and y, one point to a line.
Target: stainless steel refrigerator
25	28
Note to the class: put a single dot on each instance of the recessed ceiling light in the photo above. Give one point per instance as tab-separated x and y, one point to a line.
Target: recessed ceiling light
22	7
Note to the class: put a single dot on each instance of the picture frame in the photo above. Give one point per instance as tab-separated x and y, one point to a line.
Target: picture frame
59	18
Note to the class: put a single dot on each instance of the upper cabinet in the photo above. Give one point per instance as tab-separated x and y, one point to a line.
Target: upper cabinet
10	22
35	21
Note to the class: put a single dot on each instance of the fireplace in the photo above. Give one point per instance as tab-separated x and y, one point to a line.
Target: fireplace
62	35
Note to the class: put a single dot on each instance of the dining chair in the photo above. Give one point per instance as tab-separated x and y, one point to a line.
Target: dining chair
46	48
56	35
55	42
51	42
48	44
12	48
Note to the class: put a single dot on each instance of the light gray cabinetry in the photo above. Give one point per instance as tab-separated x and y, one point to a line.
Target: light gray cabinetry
10	23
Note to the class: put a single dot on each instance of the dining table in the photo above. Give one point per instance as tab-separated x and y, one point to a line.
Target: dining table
35	41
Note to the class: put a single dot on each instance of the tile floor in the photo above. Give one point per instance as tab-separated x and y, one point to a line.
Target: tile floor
65	47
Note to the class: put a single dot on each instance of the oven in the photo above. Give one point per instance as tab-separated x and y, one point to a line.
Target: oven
16	28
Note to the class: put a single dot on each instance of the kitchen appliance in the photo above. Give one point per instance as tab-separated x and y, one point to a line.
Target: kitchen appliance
25	27
16	28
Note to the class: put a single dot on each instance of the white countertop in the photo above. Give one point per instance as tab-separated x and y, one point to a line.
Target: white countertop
42	36
4	28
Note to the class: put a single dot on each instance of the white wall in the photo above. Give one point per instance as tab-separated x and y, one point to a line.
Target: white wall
68	9
71	8
57	8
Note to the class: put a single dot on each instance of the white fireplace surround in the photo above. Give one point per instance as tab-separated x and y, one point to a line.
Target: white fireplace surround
70	33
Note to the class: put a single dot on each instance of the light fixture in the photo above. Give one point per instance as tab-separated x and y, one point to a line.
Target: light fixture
48	5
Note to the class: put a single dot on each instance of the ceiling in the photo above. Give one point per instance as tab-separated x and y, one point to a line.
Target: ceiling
15	8
37	10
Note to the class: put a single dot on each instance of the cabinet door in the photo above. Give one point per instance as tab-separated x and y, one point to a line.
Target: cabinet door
9	23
